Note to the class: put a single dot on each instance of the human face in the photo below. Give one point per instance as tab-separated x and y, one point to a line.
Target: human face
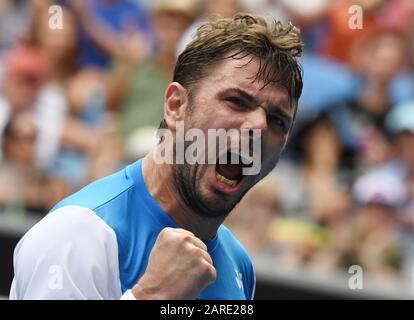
19	144
22	90
169	27
228	99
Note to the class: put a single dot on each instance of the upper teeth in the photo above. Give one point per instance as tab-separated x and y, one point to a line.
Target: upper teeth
223	179
237	157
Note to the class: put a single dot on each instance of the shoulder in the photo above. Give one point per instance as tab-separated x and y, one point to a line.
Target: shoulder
68	226
74	244
103	192
114	200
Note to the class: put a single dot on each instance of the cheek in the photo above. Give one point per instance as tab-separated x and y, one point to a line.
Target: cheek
208	118
272	150
275	142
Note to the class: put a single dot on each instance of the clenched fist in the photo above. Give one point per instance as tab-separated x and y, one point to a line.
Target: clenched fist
179	267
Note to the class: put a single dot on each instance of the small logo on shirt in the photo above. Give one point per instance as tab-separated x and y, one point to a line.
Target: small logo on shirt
239	279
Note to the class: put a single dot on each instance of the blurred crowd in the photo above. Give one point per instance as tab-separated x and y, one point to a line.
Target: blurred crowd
81	93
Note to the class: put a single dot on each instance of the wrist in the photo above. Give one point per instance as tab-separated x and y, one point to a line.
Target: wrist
144	292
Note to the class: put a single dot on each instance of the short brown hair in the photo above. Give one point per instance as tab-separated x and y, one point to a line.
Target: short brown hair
277	47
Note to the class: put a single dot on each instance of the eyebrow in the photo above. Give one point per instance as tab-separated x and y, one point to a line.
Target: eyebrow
243	94
275	109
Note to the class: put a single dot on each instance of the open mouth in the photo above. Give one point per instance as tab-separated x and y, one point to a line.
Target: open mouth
229	169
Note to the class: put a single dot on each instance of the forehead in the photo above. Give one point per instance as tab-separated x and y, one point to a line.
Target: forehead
241	74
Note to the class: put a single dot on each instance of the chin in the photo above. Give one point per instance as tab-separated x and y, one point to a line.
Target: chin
216	197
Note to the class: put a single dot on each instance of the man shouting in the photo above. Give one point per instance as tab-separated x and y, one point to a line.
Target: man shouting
154	229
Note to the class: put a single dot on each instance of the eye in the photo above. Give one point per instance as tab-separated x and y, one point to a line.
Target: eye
277	123
237	102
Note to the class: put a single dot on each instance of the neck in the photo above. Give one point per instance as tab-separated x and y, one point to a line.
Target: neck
160	183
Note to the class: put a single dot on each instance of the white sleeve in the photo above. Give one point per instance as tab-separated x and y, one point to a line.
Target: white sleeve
70	254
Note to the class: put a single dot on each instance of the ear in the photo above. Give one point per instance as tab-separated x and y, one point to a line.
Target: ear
175	104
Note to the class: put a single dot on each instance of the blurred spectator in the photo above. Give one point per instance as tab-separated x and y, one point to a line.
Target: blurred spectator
24	73
143	103
23	88
315	228
82	156
376	246
396	14
341	38
58	46
319	183
18	159
310	17
253	219
107	27
374	147
327	85
378	60
23	186
210	9
14	21
58	49
401	125
80	99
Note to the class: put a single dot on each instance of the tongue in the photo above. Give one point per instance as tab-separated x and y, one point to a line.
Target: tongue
229	171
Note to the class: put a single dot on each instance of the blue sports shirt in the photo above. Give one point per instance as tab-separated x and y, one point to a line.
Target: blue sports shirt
95	244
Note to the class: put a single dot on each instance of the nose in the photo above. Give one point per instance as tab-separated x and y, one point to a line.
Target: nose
256	119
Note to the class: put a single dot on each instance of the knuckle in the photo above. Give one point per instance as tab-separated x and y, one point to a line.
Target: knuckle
207	269
212	273
166	231
185	238
208	258
193	250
